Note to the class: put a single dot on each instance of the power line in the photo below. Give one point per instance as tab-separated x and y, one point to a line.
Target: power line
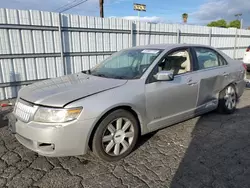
81	2
64	6
72	5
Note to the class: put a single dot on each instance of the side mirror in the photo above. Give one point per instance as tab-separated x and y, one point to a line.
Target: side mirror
164	76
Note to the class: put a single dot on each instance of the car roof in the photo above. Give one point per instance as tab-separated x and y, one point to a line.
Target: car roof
170	46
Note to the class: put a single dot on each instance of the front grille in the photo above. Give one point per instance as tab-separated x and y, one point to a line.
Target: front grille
23	111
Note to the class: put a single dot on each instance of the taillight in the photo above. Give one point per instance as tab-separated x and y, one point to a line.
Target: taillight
244	65
5	105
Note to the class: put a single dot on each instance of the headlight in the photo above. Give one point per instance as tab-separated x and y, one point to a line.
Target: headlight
54	115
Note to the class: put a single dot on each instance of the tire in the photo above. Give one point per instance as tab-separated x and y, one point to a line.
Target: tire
227	100
110	141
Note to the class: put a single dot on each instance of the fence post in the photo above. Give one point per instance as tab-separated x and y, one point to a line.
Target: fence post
61	44
132	34
178	40
235	43
210	37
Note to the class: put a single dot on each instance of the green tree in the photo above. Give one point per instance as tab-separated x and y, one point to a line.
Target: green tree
218	23
185	17
234	23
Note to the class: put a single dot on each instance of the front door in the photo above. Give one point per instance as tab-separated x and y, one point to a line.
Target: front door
168	102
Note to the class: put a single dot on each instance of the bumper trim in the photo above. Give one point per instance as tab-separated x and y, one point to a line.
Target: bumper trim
70	139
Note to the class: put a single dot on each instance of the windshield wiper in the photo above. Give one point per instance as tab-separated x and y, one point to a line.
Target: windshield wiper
100	75
86	72
120	77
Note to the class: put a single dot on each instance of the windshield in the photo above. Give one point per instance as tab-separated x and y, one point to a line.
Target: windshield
126	64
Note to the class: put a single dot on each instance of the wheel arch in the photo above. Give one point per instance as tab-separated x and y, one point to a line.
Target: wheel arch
234	84
235	87
124	107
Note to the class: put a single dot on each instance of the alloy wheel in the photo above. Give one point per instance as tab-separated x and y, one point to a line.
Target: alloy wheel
118	136
230	98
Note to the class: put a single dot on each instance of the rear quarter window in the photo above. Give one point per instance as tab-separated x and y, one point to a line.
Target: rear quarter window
222	60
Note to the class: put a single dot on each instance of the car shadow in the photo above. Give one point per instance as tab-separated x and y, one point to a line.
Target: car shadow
143	139
5	115
218	153
3	121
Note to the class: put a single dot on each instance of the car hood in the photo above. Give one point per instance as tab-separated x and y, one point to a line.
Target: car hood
58	92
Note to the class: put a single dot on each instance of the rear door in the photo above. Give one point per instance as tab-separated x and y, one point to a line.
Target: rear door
213	71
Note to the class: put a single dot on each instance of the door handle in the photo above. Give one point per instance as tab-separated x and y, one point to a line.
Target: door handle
191	82
225	74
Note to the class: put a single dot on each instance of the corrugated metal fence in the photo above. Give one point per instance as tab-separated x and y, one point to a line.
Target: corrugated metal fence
36	45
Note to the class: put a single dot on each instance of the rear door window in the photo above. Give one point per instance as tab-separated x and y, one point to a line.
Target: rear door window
208	58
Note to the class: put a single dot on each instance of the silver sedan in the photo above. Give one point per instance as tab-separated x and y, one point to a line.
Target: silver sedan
133	92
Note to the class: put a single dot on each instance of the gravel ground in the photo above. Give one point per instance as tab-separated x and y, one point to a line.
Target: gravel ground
208	151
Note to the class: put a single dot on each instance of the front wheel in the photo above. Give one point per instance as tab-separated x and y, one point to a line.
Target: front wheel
227	100
116	136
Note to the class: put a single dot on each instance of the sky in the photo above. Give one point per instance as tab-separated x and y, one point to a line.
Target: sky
200	12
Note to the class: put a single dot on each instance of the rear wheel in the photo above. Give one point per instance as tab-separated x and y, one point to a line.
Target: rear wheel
227	100
116	136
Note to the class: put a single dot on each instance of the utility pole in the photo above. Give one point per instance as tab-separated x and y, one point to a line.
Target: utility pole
241	20
241	26
101	9
138	8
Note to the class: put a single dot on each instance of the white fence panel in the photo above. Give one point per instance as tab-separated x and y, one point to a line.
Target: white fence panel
38	41
85	63
35	17
27	41
24	17
19	73
33	48
84	42
48	41
7	70
76	44
106	42
41	68
15	41
4	42
51	67
59	67
99	42
30	69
